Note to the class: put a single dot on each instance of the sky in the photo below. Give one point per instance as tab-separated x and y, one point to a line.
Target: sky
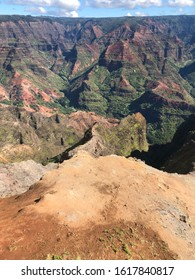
97	8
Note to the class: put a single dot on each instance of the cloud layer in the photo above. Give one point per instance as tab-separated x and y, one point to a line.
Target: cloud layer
129	4
67	8
65	4
70	8
181	3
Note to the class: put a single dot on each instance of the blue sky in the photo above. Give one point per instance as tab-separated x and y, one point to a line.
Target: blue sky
97	8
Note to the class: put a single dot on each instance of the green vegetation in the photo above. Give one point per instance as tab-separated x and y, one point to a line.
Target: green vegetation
54	257
3	77
164	130
105	65
33	136
188	72
126	137
92	101
6	102
125	248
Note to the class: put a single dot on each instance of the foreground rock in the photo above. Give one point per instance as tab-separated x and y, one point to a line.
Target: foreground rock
101	208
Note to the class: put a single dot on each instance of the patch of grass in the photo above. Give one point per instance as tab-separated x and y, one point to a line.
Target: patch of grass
126	249
78	257
114	248
6	102
57	257
101	239
12	248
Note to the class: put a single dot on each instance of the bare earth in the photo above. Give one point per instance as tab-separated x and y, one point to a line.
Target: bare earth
101	208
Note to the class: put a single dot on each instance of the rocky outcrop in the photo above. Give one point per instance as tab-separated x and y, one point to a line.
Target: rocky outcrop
25	135
100	140
16	178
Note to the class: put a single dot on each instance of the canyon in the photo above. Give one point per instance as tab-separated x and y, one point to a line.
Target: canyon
97	138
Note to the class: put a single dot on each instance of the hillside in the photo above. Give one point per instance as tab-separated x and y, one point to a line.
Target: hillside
101	208
26	135
176	156
182	157
113	67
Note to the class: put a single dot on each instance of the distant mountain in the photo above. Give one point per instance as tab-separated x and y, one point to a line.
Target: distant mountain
113	67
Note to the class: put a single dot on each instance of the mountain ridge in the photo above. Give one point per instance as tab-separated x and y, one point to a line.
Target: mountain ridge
26	135
91	65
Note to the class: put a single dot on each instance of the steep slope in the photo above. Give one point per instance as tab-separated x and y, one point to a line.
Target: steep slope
113	67
182	158
183	161
138	71
25	135
176	156
16	178
101	208
122	139
188	73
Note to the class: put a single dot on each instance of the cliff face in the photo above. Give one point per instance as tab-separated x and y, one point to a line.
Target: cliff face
16	178
106	139
26	135
113	67
182	149
178	155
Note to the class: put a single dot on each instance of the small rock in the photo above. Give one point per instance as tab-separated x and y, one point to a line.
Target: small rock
183	218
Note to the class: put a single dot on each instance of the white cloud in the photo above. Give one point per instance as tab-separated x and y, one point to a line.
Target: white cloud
140	14
181	3
66	4
66	8
129	15
129	4
64	13
37	10
68	14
